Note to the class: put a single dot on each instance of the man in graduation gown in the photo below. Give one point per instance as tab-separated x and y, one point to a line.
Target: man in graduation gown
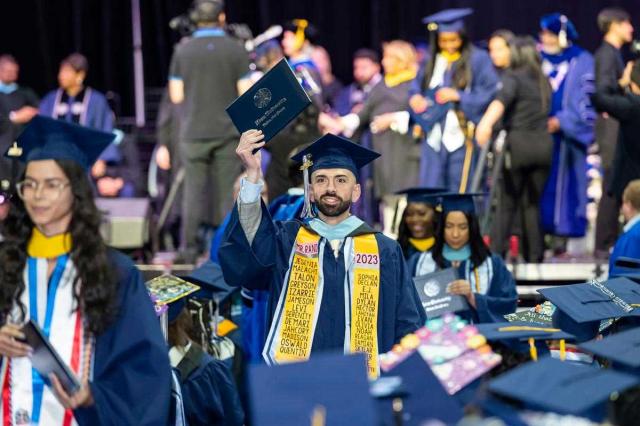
570	70
334	282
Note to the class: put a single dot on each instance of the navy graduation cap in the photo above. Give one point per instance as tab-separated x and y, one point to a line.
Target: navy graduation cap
422	194
448	20
521	331
623	349
453	201
562	387
46	138
335	152
212	284
330	389
581	307
426	399
558	23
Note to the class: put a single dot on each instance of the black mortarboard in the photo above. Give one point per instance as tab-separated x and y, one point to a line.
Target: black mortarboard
45	138
302	27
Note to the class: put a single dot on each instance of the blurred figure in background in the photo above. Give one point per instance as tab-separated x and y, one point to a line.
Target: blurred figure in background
331	86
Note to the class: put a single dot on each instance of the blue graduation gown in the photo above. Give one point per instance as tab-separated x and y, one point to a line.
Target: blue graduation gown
208	390
628	245
501	297
263	266
446	168
564	200
131	381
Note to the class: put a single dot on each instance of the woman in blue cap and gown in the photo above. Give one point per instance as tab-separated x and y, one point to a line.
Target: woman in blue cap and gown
89	300
334	282
484	279
570	70
462	81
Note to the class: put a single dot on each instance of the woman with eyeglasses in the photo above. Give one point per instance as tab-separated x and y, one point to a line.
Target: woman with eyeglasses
89	300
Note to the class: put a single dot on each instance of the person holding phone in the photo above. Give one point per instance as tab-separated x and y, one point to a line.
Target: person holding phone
89	300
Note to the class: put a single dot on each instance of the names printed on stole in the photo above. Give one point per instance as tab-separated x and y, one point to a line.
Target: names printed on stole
365	313
297	324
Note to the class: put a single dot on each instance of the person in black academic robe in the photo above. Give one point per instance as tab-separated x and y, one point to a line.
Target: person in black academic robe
256	251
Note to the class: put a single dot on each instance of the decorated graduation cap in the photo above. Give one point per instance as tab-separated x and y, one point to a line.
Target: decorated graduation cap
453	201
623	349
448	20
46	138
561	387
581	307
423	194
331	152
327	389
560	25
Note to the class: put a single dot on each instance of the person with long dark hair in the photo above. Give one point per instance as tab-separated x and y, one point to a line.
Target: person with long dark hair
417	228
524	101
484	279
89	300
462	80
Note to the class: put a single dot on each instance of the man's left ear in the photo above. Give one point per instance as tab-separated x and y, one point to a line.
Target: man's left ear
356	193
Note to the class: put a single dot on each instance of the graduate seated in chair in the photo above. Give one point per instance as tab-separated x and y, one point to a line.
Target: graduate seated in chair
484	279
88	299
628	245
208	388
334	283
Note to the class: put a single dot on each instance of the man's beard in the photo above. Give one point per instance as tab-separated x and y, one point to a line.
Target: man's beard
333	210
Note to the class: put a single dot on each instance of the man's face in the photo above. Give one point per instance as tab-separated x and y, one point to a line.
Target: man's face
8	72
364	69
623	29
334	190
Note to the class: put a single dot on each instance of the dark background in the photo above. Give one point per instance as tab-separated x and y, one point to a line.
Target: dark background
39	33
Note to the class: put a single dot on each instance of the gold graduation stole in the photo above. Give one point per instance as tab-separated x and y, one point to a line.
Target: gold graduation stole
291	335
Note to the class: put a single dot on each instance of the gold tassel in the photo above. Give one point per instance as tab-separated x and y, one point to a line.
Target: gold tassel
563	350
532	349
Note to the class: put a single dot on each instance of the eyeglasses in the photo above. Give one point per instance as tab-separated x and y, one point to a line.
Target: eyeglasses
50	189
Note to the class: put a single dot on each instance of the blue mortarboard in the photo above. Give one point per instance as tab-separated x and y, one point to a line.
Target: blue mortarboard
460	202
581	307
520	331
623	349
212	284
426	398
333	386
175	308
335	152
448	20
563	387
423	194
557	22
46	138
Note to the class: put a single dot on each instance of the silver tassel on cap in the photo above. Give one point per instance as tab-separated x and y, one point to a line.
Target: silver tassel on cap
307	210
